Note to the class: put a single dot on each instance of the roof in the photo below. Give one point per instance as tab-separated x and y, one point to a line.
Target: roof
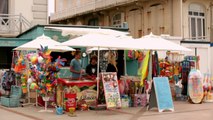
78	26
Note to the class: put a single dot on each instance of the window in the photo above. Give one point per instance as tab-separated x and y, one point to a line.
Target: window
93	22
3	6
4	10
155	16
116	20
196	22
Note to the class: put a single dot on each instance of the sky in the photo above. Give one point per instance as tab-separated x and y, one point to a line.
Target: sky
51	6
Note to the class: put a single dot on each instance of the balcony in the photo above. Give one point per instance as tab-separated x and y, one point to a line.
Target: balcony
12	25
87	7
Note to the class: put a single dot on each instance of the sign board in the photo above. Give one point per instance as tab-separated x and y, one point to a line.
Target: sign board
89	95
111	91
64	72
161	95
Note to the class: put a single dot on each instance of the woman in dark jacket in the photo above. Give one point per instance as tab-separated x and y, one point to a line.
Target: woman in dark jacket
111	67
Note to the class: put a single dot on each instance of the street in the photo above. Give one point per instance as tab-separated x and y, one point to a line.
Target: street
183	110
12	115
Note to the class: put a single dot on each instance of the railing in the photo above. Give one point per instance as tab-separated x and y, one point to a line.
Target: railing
13	24
203	38
90	5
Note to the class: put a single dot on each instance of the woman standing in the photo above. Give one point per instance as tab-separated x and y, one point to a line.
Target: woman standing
111	67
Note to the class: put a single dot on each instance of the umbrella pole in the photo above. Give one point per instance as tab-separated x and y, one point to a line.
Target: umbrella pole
98	75
13	57
125	72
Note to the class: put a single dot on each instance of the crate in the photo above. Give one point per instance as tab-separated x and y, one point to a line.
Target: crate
14	102
14	99
10	102
5	101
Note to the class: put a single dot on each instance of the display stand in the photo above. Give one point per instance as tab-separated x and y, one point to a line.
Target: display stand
207	86
28	98
45	99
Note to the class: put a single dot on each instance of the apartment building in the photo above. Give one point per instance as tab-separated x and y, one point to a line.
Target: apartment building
189	20
17	16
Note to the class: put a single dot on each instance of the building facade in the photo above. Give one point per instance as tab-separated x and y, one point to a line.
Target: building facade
17	16
190	20
35	11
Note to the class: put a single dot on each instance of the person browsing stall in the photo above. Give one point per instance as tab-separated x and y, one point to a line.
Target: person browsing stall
75	66
91	68
111	67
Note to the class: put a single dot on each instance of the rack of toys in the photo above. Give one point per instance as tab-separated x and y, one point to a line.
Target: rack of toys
208	87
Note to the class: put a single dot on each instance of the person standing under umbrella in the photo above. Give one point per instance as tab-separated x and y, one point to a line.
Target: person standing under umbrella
75	66
91	68
111	67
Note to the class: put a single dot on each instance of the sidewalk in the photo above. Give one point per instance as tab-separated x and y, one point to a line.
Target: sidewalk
183	110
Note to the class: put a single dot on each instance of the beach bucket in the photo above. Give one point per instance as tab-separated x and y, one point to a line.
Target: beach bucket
59	111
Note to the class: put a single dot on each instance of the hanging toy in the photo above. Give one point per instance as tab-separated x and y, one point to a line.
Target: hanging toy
20	65
60	61
33	86
140	56
40	59
29	80
23	79
24	88
131	54
34	59
44	52
48	87
136	54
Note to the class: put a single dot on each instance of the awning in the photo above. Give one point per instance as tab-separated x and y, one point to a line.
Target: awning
12	42
83	31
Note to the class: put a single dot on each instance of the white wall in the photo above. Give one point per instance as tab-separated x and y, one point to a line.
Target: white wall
35	11
22	6
203	50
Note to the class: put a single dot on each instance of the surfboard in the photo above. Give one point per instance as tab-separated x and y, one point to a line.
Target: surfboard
195	86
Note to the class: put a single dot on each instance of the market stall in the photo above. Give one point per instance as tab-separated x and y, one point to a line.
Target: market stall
70	93
34	67
121	42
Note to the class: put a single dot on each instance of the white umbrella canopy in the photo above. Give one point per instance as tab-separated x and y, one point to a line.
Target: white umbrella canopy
89	50
153	42
83	31
44	41
99	41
